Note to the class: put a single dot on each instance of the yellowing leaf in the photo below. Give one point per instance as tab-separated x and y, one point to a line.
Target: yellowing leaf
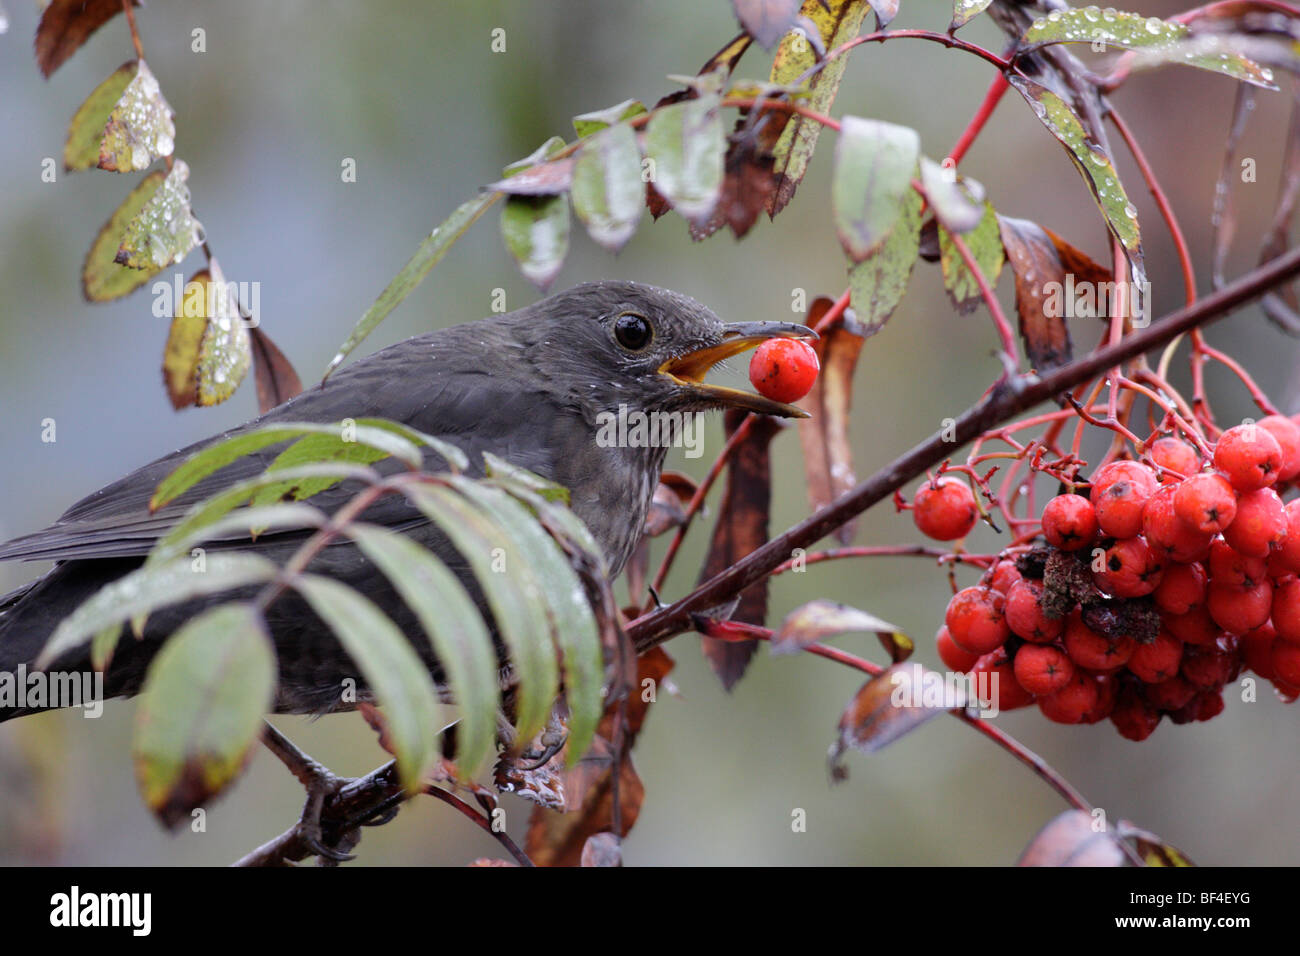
140	127
875	163
86	131
963	11
164	231
102	279
879	281
208	348
985	245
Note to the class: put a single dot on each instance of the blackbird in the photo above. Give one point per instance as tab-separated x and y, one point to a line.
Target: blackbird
530	386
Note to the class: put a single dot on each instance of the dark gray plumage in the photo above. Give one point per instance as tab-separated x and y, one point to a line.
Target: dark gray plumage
527	386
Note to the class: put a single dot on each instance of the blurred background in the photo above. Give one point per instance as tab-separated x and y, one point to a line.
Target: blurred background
413	92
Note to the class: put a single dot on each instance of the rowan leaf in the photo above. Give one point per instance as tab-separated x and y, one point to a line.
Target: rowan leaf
886	707
102	278
685	141
164	230
585	124
277	381
1036	266
985	245
139	128
819	619
67	24
963	11
878	283
208	349
875	163
766	20
608	194
86	130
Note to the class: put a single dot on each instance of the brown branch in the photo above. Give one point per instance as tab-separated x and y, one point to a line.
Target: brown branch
1009	399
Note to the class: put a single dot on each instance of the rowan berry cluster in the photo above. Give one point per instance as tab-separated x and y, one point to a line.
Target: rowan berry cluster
1158	584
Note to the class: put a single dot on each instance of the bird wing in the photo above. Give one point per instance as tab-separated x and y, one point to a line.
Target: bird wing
441	383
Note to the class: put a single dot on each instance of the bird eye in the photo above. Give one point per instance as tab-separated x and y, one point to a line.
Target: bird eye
633	331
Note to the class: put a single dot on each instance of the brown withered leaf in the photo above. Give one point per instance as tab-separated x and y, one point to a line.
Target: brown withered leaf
1035	264
66	25
884	709
827	454
741	527
819	619
559	839
277	382
1069	839
748	183
602	849
766	20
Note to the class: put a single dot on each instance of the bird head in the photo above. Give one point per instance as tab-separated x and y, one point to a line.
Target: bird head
624	343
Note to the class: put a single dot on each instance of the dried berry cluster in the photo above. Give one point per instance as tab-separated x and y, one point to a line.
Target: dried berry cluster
1157	586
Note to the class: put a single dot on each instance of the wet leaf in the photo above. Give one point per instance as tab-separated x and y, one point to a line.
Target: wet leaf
607	190
1071	839
985	245
1158	41
885	708
687	145
390	666
837	22
741	527
86	131
827	451
963	11
277	382
1092	162
766	20
536	231
957	201
886	10
140	128
427	255
141	591
879	282
66	25
1036	266
875	163
201	709
102	279
747	186
164	231
819	619
585	124
208	349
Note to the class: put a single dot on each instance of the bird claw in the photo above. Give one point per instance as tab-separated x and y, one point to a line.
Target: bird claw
552	748
321	783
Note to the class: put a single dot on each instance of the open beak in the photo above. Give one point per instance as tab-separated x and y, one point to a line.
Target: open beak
688	370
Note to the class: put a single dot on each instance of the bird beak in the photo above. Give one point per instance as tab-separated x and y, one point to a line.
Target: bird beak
688	371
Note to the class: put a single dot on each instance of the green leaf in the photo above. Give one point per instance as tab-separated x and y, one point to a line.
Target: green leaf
246	522
1159	41
81	150
152	586
455	628
201	709
687	146
1088	157
103	644
102	278
515	601
963	11
536	158
838	21
985	245
608	194
392	670
585	124
878	283
139	129
219	454
452	455
500	468
573	625
427	255
164	231
957	202
536	231
875	163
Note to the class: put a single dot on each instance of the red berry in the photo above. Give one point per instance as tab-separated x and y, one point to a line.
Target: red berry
1257	650
1286	662
1249	455
1096	652
1157	661
1287	433
945	510
1286	610
1167	534
953	657
1119	491
1229	567
1208	703
1000	682
1239	609
1206	502
1071	703
1107	695
1042	668
1171	694
1175	455
1260	524
1133	717
976	620
1129	569
1209	666
1194	627
1005	576
1286	558
1025	615
1069	522
1181	588
784	369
